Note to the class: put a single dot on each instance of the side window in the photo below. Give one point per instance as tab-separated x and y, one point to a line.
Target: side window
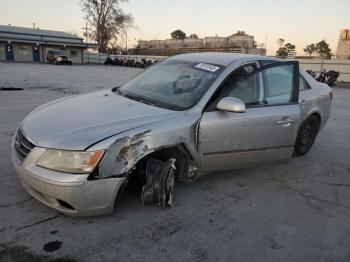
278	84
303	85
242	84
247	89
257	87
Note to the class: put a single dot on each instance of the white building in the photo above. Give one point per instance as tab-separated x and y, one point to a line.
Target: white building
241	39
237	40
343	49
215	41
193	42
31	45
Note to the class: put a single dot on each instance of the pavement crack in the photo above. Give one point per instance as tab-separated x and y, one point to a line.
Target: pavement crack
38	222
334	184
307	196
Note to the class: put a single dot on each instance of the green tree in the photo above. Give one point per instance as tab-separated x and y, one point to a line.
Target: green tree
107	19
322	48
178	34
285	50
310	49
193	36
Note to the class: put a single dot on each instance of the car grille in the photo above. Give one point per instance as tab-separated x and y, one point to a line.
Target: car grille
22	145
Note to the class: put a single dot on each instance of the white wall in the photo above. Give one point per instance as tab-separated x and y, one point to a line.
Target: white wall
75	54
343	66
23	52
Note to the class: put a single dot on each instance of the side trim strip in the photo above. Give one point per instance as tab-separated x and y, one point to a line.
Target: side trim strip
246	150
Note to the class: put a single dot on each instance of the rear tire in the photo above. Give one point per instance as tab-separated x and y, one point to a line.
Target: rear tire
306	136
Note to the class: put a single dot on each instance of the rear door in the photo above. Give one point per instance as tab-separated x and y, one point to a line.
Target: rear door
265	132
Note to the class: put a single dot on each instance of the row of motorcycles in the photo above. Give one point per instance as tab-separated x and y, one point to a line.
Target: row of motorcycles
143	63
328	77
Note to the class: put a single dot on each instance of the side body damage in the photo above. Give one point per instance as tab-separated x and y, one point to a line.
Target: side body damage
161	141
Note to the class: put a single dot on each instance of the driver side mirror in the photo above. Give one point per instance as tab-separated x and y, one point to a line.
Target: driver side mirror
231	104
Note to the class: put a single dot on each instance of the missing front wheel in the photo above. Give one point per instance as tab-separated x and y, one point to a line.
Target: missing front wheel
160	180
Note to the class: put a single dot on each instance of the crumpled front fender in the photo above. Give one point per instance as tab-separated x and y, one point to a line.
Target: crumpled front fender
124	151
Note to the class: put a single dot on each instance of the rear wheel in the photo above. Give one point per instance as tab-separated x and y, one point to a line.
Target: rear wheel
306	136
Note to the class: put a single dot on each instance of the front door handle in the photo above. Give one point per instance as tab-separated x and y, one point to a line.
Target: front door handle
290	121
286	121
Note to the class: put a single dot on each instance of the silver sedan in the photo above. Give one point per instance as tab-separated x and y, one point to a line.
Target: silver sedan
182	118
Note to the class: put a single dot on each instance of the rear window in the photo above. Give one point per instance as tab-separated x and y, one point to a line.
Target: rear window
303	84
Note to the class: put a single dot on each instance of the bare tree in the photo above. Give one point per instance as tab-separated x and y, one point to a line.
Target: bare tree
280	42
107	19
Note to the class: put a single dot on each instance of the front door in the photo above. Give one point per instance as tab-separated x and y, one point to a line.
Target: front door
36	54
265	132
9	52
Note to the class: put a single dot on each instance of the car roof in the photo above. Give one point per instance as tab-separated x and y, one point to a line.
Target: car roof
223	59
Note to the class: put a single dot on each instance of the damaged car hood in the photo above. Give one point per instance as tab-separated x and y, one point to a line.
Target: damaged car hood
75	123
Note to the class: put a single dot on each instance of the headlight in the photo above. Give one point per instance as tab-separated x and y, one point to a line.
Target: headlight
59	58
78	162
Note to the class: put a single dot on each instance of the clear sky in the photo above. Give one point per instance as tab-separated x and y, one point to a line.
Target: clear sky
300	22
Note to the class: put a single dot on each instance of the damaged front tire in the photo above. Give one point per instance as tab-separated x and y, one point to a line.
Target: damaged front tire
160	180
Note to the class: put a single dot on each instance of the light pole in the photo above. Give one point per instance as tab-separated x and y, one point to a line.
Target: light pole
126	40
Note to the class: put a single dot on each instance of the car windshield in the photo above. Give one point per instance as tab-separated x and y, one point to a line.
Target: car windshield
59	52
172	84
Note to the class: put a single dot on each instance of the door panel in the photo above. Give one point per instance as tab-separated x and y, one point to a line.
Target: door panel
235	140
265	132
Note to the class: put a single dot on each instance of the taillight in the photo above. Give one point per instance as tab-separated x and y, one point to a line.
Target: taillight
331	95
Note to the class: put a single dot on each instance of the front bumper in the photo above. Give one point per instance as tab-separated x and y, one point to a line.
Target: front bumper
64	62
71	194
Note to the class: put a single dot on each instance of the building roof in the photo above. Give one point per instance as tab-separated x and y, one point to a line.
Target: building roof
38	32
41	36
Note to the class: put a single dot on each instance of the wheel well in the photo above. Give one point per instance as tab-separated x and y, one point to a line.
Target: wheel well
138	177
318	117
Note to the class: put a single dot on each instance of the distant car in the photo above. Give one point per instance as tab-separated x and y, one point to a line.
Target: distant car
183	117
58	57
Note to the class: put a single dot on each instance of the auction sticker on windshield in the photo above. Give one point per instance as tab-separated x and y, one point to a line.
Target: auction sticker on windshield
207	67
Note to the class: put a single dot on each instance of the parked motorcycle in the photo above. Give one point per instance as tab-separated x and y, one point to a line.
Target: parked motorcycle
109	61
332	77
143	63
328	77
322	77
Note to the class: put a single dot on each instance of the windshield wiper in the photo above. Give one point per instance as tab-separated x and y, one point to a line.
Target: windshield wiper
139	99
148	102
